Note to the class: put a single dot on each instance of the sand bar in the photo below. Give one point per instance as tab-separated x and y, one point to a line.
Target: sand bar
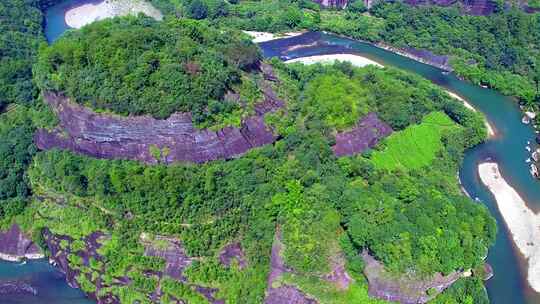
82	15
358	61
265	36
523	223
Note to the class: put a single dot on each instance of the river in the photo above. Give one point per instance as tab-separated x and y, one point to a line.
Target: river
509	284
507	148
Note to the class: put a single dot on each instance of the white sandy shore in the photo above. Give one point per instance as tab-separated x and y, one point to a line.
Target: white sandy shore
16	258
264	36
523	223
80	16
361	61
355	60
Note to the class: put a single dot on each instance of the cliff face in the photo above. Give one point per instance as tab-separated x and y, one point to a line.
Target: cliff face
404	289
283	294
14	245
114	137
473	7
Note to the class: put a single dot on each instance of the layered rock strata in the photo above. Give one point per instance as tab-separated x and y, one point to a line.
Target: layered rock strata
175	139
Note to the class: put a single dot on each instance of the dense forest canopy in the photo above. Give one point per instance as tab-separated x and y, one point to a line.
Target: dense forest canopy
140	66
323	206
20	36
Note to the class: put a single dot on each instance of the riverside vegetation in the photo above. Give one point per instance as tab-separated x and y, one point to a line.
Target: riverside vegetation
499	50
323	205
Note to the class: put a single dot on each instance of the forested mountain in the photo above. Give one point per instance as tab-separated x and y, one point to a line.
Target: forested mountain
285	215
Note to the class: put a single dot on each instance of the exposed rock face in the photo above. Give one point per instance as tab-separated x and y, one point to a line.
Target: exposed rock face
287	295
339	275
332	3
14	245
473	7
115	137
441	61
283	294
232	252
59	257
366	134
404	289
176	259
16	288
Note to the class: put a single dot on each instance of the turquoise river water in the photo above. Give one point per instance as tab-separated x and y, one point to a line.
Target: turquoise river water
508	286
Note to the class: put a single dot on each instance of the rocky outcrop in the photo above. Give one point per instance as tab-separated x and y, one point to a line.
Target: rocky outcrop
232	252
172	251
473	7
283	294
150	140
406	290
366	134
332	3
286	294
60	249
176	261
15	245
428	57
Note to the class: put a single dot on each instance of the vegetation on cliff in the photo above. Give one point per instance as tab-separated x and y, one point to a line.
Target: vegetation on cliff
326	207
499	50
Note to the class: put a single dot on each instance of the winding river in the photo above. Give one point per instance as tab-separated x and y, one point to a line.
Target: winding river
508	286
507	148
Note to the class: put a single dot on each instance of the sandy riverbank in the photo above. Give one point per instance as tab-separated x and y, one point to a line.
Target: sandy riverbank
490	129
361	61
265	36
80	16
523	223
355	60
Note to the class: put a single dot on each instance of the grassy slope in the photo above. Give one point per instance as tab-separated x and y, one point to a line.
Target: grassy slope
415	146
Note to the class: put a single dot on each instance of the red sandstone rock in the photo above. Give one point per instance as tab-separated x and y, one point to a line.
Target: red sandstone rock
406	290
115	137
366	134
232	252
14	245
332	3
